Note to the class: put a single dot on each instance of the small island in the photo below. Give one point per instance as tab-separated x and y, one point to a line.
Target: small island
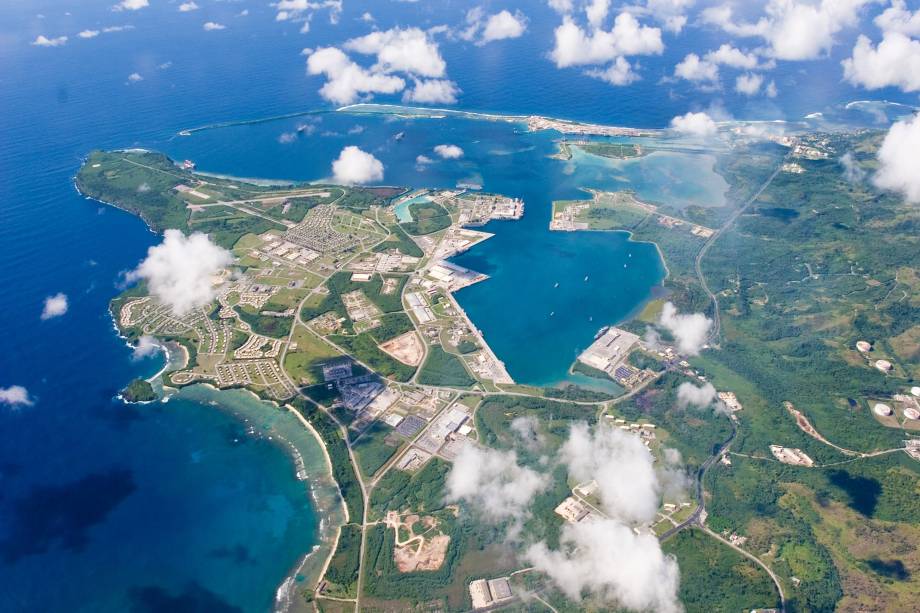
139	390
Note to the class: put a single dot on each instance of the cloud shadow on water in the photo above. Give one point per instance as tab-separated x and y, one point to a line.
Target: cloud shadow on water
63	514
194	599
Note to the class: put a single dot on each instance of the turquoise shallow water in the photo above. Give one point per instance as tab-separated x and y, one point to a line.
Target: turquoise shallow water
403	214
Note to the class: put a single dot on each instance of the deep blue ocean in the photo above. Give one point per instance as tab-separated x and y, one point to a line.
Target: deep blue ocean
108	507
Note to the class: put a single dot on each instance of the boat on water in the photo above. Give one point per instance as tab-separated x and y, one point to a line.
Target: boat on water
557	284
399	136
601	332
586	277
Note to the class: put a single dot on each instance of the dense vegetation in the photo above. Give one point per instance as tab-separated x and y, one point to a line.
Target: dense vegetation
139	390
695	432
421	491
144	183
391	326
345	563
442	368
799	288
342	469
266	325
117	183
714	578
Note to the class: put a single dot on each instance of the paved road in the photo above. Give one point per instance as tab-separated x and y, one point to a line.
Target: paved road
694	519
716	320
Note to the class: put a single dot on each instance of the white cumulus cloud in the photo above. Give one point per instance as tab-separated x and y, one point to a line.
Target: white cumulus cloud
355	166
43	41
212	26
180	272
575	46
186	7
493	483
895	62
619	72
689	394
706	69
671	13
131	5
15	396
408	50
55	306
346	80
898	167
432	91
733	57
145	346
622	467
484	29
852	171
502	25
793	29
297	10
606	558
88	34
689	330
749	83
449	152
692	68
897	18
694	124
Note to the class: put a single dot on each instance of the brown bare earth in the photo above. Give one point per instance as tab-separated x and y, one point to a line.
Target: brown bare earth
421	553
406	348
424	551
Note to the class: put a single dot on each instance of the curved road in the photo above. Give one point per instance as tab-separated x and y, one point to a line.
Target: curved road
694	519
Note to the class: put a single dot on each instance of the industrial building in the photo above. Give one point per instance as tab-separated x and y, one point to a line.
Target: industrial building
485	593
609	350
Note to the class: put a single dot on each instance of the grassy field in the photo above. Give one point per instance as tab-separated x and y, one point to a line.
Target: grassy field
427	217
401	241
303	363
364	348
375	447
442	368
